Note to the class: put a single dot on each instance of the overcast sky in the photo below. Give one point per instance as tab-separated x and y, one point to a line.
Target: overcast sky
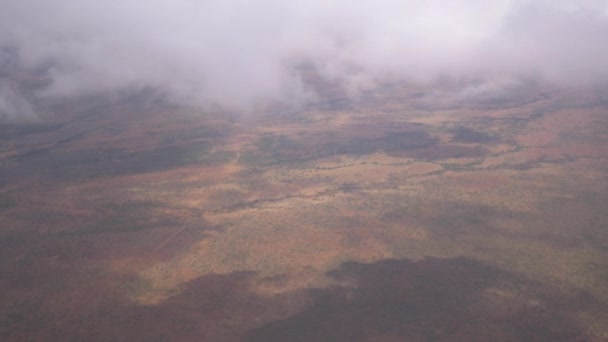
236	51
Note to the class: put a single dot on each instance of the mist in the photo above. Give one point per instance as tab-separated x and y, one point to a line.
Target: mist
236	53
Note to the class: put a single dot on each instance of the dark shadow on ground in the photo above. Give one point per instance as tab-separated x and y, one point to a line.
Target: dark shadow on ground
392	300
432	300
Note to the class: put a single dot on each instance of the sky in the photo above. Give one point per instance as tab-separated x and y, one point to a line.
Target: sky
237	52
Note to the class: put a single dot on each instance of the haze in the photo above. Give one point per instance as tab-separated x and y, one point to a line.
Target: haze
303	170
236	53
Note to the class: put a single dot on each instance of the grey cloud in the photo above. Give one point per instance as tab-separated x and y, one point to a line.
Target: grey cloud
236	52
13	106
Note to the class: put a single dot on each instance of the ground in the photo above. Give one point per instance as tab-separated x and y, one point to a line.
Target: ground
388	216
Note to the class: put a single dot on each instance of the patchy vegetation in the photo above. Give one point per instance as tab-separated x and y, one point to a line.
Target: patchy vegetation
467	220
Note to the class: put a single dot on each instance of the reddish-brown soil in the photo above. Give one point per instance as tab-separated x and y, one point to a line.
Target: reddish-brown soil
384	219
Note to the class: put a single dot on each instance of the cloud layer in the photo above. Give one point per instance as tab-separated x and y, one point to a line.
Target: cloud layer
234	52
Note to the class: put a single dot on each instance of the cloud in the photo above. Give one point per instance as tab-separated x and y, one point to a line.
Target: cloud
13	107
236	52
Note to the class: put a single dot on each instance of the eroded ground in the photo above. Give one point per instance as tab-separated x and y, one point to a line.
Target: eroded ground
392	217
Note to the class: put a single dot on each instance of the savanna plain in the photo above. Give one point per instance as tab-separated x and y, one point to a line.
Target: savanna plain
399	214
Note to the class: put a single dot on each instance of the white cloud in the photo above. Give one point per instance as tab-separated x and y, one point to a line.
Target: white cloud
236	51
